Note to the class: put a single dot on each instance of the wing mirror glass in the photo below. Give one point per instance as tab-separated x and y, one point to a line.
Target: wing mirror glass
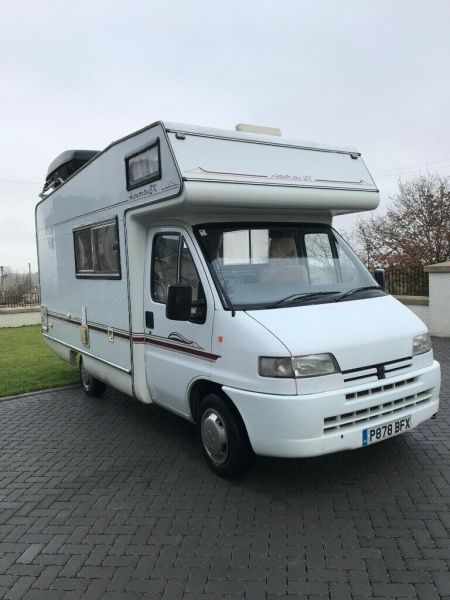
179	302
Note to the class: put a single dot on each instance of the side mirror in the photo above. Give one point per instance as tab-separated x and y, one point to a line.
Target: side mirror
179	302
380	277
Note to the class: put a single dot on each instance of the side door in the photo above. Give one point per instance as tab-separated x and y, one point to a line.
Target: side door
176	352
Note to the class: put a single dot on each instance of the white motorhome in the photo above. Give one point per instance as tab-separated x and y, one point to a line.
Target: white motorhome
198	269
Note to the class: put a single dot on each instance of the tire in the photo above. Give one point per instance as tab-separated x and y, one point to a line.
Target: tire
91	386
223	438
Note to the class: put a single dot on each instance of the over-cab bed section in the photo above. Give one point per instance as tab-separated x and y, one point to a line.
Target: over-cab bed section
306	176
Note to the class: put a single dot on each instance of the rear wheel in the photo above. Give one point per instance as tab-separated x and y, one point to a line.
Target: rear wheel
223	437
91	386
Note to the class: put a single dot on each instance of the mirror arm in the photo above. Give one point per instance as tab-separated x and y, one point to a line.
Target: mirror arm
200	303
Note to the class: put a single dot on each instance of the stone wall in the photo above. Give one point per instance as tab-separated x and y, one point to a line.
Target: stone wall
439	275
17	317
434	310
419	306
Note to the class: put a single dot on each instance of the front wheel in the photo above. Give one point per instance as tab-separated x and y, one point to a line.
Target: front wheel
223	437
91	386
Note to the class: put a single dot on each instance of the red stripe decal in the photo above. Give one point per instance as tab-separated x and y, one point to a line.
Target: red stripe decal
92	326
165	343
142	338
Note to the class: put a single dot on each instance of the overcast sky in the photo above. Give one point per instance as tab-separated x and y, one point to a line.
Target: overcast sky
79	74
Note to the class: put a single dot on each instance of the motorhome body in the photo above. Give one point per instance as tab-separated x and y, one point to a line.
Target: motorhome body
198	269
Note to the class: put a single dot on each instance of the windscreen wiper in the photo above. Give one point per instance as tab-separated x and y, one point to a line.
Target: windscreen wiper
299	297
358	289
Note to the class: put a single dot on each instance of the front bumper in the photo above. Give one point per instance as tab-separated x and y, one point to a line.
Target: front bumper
315	424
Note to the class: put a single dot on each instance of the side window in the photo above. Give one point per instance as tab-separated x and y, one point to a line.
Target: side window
172	263
143	166
97	250
105	245
84	258
164	265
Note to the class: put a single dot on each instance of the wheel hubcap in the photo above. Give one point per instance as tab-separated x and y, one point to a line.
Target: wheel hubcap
214	436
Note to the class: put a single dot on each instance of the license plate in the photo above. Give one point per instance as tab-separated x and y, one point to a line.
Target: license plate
371	435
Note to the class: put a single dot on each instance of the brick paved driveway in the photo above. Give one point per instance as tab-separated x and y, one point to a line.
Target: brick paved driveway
111	499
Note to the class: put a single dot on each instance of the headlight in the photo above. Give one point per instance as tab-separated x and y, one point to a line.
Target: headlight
310	365
275	367
314	364
421	344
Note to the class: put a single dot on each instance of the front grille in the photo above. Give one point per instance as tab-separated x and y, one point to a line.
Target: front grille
381	388
378	371
357	417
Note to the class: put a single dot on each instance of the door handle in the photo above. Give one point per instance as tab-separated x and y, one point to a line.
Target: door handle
149	320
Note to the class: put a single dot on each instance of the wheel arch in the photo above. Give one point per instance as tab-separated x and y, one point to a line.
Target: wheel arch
197	391
200	389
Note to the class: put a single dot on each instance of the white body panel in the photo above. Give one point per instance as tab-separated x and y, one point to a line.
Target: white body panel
212	176
347	324
97	193
292	426
170	370
201	158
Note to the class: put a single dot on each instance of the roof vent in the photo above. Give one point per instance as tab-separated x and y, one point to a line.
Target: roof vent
258	129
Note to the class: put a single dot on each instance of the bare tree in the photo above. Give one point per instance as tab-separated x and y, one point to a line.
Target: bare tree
361	237
415	229
4	274
13	284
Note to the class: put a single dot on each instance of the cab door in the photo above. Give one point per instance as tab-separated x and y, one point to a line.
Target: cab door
176	352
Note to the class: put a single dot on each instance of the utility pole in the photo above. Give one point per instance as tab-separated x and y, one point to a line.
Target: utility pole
2	277
29	276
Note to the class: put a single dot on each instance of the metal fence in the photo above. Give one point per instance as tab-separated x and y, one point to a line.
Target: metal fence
401	281
407	281
22	300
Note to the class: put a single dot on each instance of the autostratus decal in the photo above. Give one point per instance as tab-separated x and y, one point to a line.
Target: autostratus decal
276	176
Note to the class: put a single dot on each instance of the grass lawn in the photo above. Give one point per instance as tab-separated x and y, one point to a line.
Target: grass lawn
27	363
